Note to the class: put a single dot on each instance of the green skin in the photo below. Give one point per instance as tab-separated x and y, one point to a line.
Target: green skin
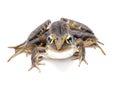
58	37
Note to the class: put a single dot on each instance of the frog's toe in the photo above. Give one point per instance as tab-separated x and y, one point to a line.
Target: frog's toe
34	66
82	59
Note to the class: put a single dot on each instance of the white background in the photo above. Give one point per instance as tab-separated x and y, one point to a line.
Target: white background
19	17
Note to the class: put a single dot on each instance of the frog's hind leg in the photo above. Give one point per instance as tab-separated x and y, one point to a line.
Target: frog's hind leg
15	54
74	25
93	42
18	50
17	47
97	45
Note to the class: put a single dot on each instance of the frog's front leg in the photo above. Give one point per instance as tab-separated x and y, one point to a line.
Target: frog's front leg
37	57
80	54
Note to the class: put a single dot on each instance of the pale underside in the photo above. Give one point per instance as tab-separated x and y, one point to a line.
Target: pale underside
54	54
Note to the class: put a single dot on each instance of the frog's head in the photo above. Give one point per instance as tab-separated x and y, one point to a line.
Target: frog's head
59	37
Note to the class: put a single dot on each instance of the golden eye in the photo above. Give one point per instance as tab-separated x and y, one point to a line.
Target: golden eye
69	39
50	39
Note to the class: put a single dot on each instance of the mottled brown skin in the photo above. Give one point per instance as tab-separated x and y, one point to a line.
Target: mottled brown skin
32	40
56	36
84	32
74	25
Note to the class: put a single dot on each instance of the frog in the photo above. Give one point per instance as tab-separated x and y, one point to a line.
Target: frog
61	39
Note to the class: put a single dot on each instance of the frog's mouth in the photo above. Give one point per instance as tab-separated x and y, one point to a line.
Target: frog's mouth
61	54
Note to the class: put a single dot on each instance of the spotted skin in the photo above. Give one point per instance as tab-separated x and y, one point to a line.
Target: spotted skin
31	41
37	42
74	25
39	30
84	32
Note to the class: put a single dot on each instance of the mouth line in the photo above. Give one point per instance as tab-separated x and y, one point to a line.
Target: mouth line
60	50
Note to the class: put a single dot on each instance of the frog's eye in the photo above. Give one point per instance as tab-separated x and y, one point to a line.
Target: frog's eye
69	39
50	39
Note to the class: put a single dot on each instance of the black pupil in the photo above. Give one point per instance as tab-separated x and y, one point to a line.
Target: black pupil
69	39
49	39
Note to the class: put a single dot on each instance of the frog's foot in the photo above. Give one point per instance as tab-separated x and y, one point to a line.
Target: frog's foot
36	57
18	50
100	47
36	63
78	56
15	54
93	42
